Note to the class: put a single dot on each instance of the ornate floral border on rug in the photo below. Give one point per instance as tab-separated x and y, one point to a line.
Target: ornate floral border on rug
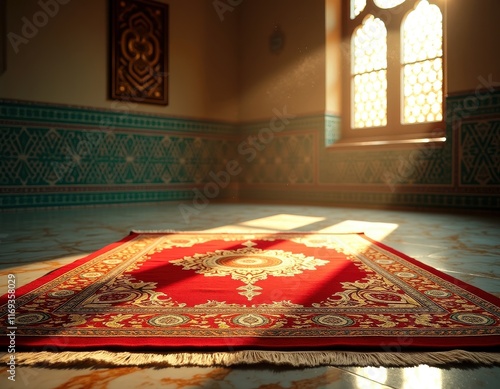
295	298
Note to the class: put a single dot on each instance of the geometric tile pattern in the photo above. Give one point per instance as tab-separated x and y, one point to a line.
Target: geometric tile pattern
424	166
287	159
296	159
60	157
289	156
332	129
56	155
480	152
464	172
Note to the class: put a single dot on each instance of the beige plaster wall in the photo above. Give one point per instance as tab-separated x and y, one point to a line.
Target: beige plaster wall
221	68
472	33
66	60
333	58
296	76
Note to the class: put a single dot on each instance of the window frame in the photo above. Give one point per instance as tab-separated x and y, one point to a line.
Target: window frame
395	131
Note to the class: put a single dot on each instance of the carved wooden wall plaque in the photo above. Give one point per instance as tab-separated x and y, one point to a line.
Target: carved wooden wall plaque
139	51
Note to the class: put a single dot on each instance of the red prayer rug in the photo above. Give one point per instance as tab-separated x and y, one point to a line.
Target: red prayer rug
230	293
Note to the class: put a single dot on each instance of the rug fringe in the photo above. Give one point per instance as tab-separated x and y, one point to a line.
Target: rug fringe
137	231
251	357
155	231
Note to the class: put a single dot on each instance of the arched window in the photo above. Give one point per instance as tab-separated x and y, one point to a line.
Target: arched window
357	6
386	4
395	61
369	74
422	64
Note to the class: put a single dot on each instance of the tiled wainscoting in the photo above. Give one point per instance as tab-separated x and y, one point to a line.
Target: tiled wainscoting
55	155
464	172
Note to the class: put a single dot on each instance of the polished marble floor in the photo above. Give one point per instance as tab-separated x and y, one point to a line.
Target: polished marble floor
34	242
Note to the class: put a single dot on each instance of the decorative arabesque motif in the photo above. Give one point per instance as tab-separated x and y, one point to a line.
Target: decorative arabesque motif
249	265
139	51
480	152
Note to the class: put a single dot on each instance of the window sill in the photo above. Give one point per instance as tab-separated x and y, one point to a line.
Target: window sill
412	142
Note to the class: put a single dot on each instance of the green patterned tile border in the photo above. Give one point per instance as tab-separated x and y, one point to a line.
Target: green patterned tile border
281	156
426	165
374	199
479	142
463	173
333	130
73	199
105	119
480	102
53	155
59	157
430	184
287	159
475	120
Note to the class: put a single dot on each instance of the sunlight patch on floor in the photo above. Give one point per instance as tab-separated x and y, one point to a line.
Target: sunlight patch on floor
282	222
376	376
33	270
236	228
374	230
422	376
